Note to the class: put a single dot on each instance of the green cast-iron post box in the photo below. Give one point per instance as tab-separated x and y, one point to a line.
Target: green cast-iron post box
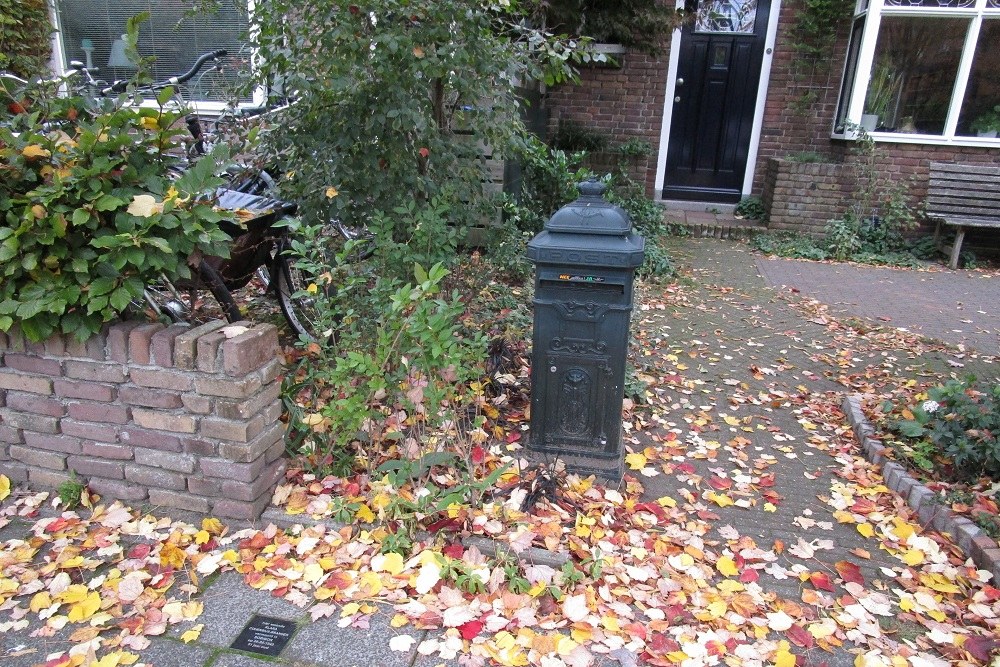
585	261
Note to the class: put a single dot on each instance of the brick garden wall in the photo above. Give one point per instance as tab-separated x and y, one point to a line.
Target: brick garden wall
175	416
803	197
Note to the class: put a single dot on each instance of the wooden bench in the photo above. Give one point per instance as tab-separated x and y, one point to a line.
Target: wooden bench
962	196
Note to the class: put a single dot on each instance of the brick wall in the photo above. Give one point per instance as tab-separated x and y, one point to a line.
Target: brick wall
175	416
803	197
623	103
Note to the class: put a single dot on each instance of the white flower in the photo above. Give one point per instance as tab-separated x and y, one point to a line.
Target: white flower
930	406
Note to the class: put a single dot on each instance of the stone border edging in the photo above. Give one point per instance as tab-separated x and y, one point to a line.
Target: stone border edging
984	550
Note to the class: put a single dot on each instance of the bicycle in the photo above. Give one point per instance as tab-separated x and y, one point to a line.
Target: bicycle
260	242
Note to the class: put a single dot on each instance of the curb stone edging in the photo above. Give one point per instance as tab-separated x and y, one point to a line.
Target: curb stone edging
981	548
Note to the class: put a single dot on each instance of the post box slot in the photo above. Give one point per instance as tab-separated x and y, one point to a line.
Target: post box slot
607	288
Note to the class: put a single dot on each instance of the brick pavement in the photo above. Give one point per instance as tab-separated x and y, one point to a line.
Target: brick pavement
957	307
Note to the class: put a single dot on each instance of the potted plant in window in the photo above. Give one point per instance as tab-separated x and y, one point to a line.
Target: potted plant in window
987	124
883	89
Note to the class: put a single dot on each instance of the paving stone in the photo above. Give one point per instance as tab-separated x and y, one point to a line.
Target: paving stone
241	660
353	647
165	652
229	605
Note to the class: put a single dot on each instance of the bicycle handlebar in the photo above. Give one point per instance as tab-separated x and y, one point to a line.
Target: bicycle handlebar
120	86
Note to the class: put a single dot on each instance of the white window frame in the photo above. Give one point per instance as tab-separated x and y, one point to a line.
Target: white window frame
258	99
873	11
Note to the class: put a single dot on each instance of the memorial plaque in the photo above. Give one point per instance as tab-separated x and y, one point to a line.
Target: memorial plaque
264	635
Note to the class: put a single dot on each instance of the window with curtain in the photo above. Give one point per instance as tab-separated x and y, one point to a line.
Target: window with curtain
923	71
91	31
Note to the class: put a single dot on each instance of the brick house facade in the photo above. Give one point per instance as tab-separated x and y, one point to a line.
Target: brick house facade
798	112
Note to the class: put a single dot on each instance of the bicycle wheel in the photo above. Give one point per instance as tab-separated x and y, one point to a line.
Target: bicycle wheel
187	302
298	305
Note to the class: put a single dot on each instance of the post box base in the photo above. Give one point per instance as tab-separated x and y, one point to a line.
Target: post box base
610	470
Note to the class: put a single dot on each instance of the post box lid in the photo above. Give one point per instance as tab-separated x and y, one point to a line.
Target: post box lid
590	214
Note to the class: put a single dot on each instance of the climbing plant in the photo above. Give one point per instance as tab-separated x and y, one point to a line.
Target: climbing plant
24	37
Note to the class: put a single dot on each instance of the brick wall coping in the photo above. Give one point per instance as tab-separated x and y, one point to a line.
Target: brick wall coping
177	416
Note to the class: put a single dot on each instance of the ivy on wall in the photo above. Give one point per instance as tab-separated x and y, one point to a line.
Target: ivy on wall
812	35
816	24
638	24
25	32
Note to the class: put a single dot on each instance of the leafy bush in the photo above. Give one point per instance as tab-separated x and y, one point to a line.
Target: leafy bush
395	383
88	214
789	244
961	419
751	208
572	136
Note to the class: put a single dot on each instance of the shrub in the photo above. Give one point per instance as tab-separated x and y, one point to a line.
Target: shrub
789	244
751	208
88	214
961	419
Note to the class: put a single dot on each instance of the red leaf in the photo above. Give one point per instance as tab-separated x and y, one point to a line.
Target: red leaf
821	581
720	483
849	572
749	575
471	629
980	648
453	551
424	152
139	552
478	454
799	636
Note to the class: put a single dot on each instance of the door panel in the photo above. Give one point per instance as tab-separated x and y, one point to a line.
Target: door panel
715	96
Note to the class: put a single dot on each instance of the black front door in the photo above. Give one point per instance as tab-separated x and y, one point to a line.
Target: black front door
715	94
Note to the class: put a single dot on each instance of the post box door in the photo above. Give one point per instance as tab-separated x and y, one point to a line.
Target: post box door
576	393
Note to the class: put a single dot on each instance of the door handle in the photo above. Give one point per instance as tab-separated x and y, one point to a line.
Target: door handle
677	99
680	82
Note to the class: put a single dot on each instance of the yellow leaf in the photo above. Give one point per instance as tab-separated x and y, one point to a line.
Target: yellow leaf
732	421
770	507
610	623
172	556
666	501
4	487
202	537
364	514
636	461
313	572
390	562
350	609
866	529
720	499
212	525
73	594
192	634
399	620
150	123
717	608
34	150
38	211
784	657
902	529
913	557
726	567
83	610
40	601
370	584
331	192
581	634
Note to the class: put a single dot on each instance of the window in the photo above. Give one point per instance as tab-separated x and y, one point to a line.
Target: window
90	31
923	71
